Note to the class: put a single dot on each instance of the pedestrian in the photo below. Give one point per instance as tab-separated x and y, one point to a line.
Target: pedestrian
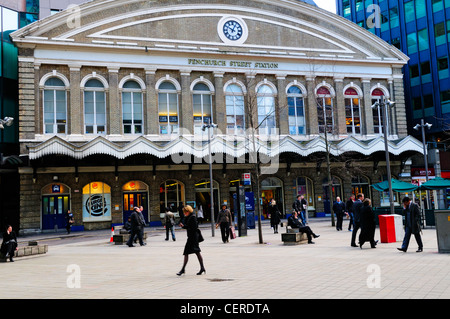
69	221
299	206
169	219
295	223
137	227
339	211
412	224
367	223
192	244
200	215
9	244
356	220
349	211
225	220
275	215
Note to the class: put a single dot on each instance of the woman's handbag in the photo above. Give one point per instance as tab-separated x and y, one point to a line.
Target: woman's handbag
232	232
199	235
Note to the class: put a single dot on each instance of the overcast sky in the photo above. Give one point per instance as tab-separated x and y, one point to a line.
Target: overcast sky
329	5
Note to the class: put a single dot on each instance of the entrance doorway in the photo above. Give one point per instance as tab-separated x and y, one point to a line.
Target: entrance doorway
272	187
336	190
55	204
135	194
203	198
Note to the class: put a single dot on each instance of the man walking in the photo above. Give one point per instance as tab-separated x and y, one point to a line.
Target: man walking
339	209
357	205
137	227
412	224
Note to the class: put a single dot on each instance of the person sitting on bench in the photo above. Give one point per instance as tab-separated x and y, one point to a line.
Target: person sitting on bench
295	223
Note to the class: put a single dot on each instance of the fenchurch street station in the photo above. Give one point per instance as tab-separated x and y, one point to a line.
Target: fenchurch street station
116	98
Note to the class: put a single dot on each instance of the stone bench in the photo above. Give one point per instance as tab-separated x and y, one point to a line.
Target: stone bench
122	237
33	248
292	236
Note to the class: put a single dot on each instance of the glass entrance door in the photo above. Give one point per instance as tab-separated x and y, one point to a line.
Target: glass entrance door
54	209
132	200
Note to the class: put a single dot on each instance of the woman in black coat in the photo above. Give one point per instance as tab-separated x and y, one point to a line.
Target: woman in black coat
275	216
9	244
367	217
192	243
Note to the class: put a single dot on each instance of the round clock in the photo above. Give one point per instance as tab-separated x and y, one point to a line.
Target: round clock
232	30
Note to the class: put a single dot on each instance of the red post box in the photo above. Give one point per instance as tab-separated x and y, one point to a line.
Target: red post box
387	228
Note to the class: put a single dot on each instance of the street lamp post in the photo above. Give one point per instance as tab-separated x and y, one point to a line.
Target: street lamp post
211	183
422	125
383	103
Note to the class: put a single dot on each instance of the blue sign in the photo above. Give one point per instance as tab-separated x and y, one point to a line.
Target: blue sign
56	188
249	201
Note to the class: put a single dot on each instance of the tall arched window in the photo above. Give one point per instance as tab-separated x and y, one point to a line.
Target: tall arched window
377	96
266	110
55	106
352	111
325	114
168	108
132	108
94	107
202	104
171	194
296	111
234	97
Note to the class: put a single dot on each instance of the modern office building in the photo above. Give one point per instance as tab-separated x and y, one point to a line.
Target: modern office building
116	95
421	29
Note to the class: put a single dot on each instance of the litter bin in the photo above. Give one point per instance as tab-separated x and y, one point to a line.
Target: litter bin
442	220
251	220
387	228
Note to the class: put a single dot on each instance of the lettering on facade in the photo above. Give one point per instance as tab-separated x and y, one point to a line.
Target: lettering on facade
236	64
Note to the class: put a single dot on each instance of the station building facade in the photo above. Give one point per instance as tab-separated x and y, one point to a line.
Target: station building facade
114	97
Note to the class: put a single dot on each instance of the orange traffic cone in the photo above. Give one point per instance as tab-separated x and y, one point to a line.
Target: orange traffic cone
112	235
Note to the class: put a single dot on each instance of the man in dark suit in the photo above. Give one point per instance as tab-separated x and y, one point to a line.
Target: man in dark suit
339	211
137	227
357	205
412	224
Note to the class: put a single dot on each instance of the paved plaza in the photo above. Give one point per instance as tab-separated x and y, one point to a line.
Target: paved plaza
87	266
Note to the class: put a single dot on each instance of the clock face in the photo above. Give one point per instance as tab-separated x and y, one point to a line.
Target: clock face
232	30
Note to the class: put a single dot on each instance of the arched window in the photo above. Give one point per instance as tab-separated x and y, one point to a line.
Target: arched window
325	114
172	194
304	186
377	96
234	97
296	111
96	202
94	107
266	110
168	108
132	108
202	104
352	111
55	106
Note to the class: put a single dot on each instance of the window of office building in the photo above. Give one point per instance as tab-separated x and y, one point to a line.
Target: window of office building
445	101
423	39
425	72
409	11
132	108
94	107
411	40
443	68
438	5
439	33
168	108
202	104
296	111
393	17
421	9
55	106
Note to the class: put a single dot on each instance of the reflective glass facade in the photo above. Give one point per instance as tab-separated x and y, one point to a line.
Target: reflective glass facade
421	29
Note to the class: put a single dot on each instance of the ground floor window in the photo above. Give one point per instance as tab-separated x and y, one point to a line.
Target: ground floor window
96	202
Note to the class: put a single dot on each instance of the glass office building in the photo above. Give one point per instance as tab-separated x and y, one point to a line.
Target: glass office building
421	29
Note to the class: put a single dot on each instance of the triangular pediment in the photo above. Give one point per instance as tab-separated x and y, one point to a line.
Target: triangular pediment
289	28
